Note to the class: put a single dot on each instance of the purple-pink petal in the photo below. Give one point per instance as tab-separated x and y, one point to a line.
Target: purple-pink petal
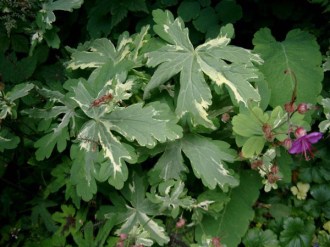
313	137
297	146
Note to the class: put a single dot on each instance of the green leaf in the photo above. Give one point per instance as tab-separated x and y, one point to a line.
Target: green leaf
16	71
137	214
64	5
7	139
179	56
170	165
147	125
40	211
188	10
81	173
298	56
296	233
19	91
229	11
325	124
259	238
172	196
206	19
253	146
207	158
93	54
233	221
46	144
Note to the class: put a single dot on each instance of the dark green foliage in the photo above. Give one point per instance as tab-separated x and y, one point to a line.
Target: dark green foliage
162	123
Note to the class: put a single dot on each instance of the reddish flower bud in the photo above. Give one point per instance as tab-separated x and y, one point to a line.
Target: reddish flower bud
302	108
180	223
300	131
287	143
274	169
256	164
272	178
120	244
216	242
123	236
289	107
225	117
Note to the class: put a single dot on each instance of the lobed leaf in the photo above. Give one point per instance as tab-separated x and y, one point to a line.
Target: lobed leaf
207	158
233	221
296	58
179	56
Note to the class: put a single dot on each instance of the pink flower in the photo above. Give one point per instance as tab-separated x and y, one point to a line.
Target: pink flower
303	144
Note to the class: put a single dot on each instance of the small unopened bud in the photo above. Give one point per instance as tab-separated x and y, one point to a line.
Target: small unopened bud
225	117
289	107
256	164
302	108
272	178
123	236
274	169
300	131
287	143
216	242
180	223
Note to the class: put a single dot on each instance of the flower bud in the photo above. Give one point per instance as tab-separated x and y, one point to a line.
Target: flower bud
123	236
302	108
274	169
180	223
289	107
216	242
225	117
256	164
287	143
300	131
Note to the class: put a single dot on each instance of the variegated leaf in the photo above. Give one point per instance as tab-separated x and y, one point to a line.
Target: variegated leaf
225	65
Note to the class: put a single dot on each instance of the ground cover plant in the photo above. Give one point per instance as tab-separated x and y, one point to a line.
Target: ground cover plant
164	123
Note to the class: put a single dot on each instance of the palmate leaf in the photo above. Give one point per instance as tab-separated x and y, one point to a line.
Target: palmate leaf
59	133
102	51
233	221
298	56
146	125
171	195
179	56
138	213
207	158
296	233
170	165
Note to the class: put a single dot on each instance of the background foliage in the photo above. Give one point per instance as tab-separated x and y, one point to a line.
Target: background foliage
164	123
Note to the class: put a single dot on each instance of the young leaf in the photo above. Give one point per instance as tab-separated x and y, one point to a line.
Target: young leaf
179	56
259	238
140	207
233	221
296	58
171	196
207	158
296	232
